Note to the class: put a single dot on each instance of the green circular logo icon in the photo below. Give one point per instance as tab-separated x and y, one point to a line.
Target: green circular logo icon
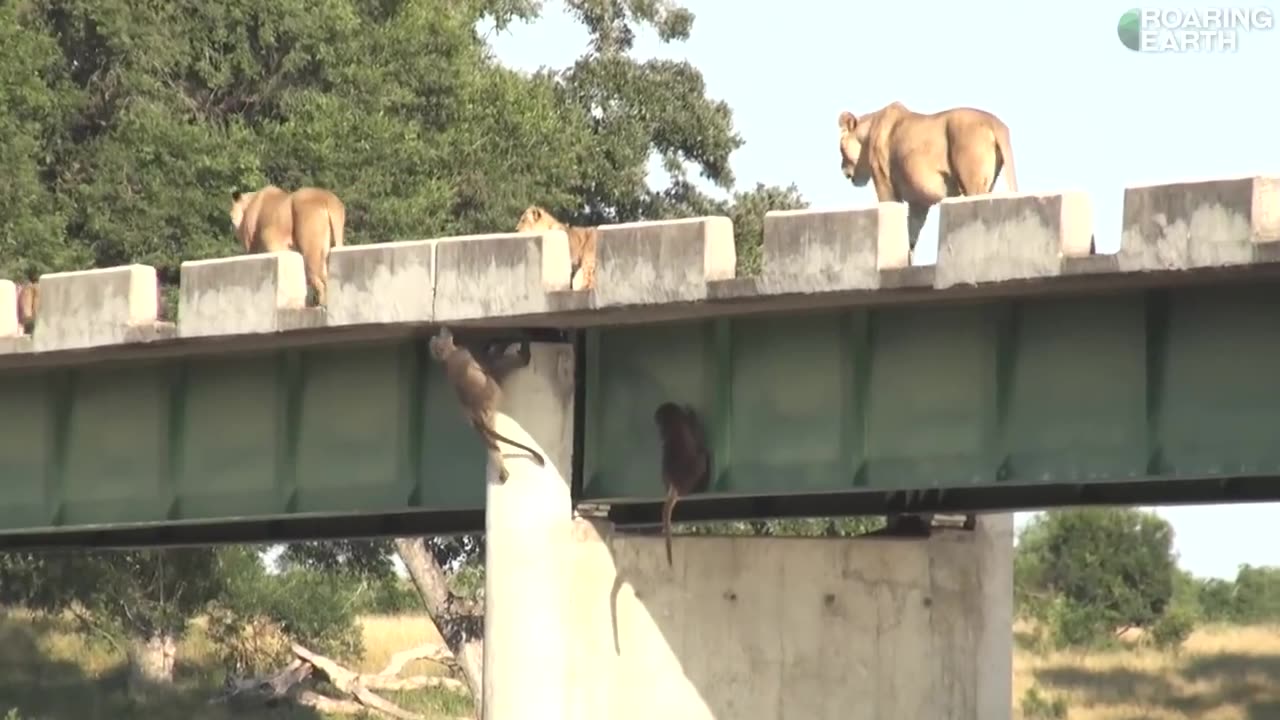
1130	30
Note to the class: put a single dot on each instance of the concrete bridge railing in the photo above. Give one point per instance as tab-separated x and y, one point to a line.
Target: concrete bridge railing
523	278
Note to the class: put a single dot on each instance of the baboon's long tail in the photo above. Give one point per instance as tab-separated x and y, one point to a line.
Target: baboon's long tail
668	507
1001	131
537	456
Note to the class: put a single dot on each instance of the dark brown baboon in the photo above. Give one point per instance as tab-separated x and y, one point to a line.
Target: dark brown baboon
686	461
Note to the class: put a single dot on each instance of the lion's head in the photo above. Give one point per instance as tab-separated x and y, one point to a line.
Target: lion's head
239	203
853	149
536	218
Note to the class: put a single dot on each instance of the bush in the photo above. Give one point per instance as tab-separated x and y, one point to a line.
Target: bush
388	596
1073	625
1087	572
1173	628
1037	706
258	615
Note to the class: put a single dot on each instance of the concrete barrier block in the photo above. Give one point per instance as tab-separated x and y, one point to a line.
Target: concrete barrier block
646	263
1010	236
1211	223
830	250
15	345
381	283
9	326
91	308
500	274
240	294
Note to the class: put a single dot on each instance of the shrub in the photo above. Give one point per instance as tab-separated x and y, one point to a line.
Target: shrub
1038	706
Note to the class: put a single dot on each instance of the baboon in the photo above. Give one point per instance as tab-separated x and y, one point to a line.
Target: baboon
582	244
686	461
28	304
309	220
921	159
475	381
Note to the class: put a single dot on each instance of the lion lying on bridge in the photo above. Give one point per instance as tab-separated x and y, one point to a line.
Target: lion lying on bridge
310	220
921	159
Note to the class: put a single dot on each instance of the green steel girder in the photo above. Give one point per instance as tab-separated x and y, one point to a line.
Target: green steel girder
1010	400
1155	385
325	430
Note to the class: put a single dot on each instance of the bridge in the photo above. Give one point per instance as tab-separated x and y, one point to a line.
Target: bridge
1022	370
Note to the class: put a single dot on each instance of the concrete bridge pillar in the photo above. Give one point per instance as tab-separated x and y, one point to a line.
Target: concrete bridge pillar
776	628
585	623
528	523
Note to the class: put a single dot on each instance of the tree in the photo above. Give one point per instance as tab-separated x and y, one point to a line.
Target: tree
1217	599
1090	572
139	601
256	615
35	104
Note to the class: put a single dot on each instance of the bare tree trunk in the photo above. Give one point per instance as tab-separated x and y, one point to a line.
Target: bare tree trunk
459	622
151	661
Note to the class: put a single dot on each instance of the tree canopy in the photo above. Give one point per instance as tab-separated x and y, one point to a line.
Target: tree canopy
125	125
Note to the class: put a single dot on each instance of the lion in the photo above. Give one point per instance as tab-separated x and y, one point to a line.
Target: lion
921	159
28	303
310	220
582	244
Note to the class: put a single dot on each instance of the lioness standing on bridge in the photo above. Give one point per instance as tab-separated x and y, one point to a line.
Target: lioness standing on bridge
309	220
921	159
582	244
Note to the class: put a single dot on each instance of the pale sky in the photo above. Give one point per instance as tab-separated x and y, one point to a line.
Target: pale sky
1084	113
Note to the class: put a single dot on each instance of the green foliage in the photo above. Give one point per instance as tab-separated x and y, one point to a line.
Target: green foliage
1173	628
1257	595
125	126
36	104
1036	705
791	527
363	559
1253	597
1072	624
119	595
258	614
1088	572
1217	599
388	596
748	211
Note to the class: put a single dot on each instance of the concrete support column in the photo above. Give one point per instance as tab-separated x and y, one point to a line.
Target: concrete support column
528	521
761	628
993	554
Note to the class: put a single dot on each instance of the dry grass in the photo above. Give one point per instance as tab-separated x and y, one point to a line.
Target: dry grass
51	672
385	635
1221	673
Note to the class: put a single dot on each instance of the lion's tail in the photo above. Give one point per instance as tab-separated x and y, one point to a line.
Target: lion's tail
336	224
1001	132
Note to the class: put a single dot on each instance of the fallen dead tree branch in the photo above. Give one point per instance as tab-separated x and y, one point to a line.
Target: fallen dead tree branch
433	652
286	685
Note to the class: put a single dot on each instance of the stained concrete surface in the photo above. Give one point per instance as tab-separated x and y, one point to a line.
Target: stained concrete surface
783	628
